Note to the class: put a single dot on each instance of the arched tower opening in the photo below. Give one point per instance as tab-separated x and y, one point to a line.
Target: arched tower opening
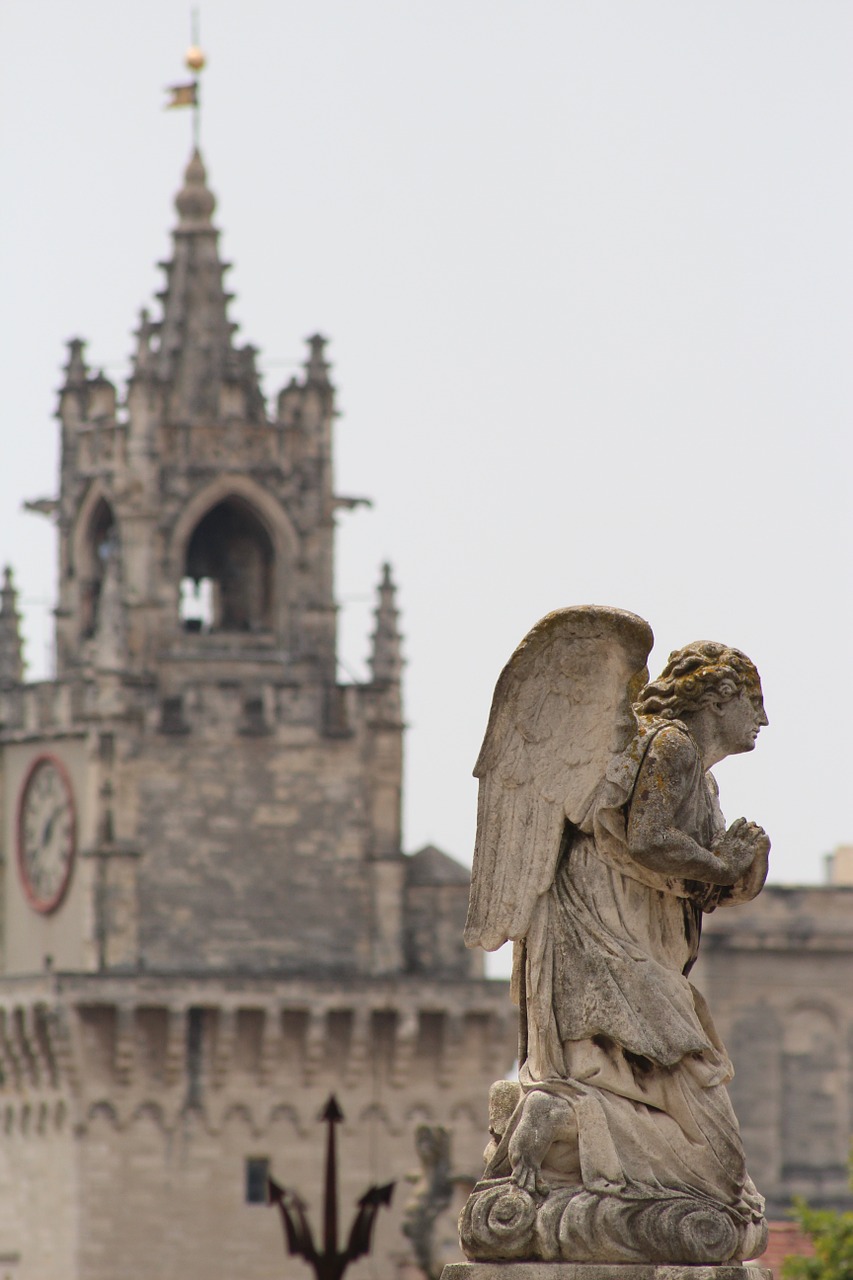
228	571
813	1085
100	548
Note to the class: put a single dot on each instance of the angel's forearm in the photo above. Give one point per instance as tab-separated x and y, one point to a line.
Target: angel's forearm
673	853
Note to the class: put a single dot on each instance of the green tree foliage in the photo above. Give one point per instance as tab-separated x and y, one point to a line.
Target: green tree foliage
831	1234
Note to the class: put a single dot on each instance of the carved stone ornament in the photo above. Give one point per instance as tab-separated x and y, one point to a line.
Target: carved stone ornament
600	843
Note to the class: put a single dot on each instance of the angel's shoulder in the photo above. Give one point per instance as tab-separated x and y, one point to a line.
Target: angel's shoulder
671	749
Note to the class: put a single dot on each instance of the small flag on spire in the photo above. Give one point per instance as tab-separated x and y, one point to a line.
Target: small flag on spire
187	95
183	95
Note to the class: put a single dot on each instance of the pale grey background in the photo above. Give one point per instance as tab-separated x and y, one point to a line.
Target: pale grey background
586	268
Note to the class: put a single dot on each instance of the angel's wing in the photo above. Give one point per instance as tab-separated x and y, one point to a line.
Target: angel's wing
562	709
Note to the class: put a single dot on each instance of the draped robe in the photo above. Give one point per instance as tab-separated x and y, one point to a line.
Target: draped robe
614	1027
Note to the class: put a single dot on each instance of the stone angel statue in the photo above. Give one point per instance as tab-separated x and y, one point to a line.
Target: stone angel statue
600	843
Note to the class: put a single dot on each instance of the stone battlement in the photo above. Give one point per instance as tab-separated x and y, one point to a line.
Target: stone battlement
127	1041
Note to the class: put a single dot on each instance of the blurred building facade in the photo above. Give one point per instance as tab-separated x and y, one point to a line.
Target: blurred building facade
778	975
208	921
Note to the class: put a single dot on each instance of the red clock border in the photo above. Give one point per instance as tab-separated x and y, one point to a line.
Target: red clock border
45	907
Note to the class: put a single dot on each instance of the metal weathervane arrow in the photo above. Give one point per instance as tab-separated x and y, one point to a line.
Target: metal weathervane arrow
299	1240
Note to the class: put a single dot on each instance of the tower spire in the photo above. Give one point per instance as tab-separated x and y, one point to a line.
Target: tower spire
206	375
11	645
386	659
196	357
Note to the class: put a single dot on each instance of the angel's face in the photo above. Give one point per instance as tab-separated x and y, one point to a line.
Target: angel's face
741	720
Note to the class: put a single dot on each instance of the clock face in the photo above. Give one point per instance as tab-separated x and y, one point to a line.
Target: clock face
46	833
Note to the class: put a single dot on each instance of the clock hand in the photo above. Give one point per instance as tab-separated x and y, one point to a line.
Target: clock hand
47	829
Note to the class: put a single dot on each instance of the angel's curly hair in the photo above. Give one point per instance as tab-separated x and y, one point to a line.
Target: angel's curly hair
695	676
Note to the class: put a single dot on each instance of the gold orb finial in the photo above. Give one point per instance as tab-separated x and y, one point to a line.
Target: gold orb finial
195	59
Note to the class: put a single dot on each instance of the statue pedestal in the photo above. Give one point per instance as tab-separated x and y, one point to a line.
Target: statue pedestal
602	1271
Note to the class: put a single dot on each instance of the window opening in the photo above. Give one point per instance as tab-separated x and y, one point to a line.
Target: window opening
103	550
195	1046
257	1175
813	1149
232	552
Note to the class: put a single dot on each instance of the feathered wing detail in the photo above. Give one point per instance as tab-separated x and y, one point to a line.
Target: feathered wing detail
561	710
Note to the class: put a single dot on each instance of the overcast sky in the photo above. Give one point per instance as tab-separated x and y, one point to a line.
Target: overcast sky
586	273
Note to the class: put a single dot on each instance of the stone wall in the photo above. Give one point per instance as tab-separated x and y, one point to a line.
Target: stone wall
777	975
135	1105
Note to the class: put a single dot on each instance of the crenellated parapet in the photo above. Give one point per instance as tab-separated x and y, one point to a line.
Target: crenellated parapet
268	696
133	1044
42	709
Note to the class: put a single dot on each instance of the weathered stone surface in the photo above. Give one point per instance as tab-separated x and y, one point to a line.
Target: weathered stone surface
597	1271
600	842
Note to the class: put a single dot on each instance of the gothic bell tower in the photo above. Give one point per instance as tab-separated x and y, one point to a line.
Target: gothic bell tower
207	918
196	634
190	486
